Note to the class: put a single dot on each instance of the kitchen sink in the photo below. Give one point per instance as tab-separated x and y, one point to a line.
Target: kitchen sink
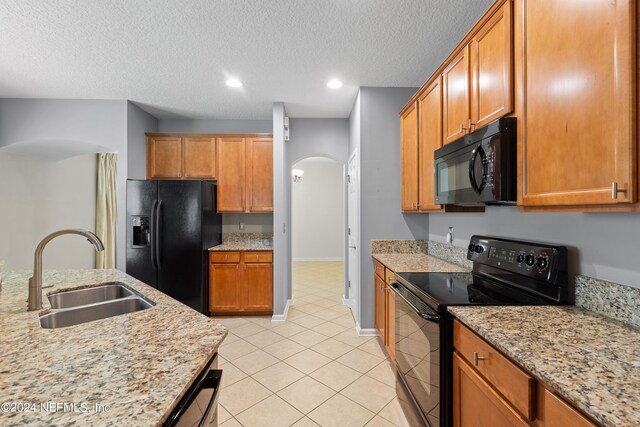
88	313
77	297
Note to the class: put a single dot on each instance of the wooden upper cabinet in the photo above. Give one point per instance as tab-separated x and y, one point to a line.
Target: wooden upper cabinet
579	144
164	157
259	171
199	158
492	68
231	175
409	158
456	90
430	139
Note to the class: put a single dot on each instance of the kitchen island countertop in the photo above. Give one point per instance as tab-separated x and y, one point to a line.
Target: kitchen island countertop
590	360
137	365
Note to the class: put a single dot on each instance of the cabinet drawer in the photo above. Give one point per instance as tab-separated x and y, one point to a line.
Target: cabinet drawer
379	268
222	257
264	256
505	376
389	276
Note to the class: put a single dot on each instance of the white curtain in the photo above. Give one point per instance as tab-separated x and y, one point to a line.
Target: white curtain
106	211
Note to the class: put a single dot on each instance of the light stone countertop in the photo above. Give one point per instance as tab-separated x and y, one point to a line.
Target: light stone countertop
590	360
416	262
245	242
139	364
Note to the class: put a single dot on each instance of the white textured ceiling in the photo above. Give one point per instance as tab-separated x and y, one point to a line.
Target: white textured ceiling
173	56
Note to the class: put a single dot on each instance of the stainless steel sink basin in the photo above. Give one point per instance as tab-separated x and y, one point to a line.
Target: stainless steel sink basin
78	297
88	313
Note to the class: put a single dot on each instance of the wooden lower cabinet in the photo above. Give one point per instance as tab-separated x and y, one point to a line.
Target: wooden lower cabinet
491	390
384	308
476	403
241	282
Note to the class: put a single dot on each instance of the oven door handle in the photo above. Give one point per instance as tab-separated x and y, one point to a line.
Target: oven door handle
432	317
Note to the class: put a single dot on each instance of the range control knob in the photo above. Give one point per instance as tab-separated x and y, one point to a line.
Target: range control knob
520	259
479	249
542	263
471	247
529	260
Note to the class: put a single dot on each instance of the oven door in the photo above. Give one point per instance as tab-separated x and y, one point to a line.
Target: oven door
199	406
458	177
417	344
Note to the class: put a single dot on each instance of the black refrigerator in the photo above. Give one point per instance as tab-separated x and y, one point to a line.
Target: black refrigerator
170	227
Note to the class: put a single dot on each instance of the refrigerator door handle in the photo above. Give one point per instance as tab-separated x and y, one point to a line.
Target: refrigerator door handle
154	237
159	236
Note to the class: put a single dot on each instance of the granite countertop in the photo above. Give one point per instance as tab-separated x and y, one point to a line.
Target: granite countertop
415	262
590	360
245	242
139	364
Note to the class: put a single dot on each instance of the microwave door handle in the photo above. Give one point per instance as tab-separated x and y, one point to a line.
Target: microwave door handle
472	170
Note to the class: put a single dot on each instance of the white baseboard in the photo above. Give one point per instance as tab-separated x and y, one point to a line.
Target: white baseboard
317	259
279	318
348	302
365	332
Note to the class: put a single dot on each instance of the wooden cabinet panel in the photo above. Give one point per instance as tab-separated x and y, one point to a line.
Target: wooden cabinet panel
199	158
516	385
379	307
476	403
259	171
557	413
579	71
430	139
231	175
390	313
258	287
164	157
455	97
225	288
378	268
492	68
261	256
224	257
409	158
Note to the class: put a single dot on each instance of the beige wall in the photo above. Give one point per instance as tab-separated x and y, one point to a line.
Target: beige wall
318	211
41	196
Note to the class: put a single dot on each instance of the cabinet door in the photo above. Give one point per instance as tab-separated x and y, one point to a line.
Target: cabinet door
225	288
430	110
580	97
557	413
258	287
199	158
492	68
409	161
475	403
380	314
231	174
260	174
164	157
455	93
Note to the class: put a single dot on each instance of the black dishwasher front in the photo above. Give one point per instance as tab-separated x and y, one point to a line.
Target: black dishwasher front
199	406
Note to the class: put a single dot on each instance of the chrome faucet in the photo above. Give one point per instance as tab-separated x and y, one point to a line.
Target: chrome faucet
35	282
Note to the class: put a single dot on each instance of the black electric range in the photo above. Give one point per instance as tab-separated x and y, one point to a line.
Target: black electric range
505	272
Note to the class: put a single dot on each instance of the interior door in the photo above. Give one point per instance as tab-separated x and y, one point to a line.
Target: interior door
354	232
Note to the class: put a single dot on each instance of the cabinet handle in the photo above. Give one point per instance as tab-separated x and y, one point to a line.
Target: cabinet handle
462	128
245	266
615	190
226	257
477	358
469	124
237	266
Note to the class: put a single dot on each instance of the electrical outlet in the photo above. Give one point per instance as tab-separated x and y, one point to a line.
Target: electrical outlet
450	236
241	226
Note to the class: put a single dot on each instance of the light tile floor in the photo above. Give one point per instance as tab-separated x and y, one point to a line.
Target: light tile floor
312	369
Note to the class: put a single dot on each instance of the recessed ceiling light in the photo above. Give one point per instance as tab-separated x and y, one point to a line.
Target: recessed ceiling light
233	83
334	84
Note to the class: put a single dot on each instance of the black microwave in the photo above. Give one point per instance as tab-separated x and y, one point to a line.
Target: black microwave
480	168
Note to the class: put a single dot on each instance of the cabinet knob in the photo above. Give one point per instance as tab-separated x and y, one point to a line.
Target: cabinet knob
477	358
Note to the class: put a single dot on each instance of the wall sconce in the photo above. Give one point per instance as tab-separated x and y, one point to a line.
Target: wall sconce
297	174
